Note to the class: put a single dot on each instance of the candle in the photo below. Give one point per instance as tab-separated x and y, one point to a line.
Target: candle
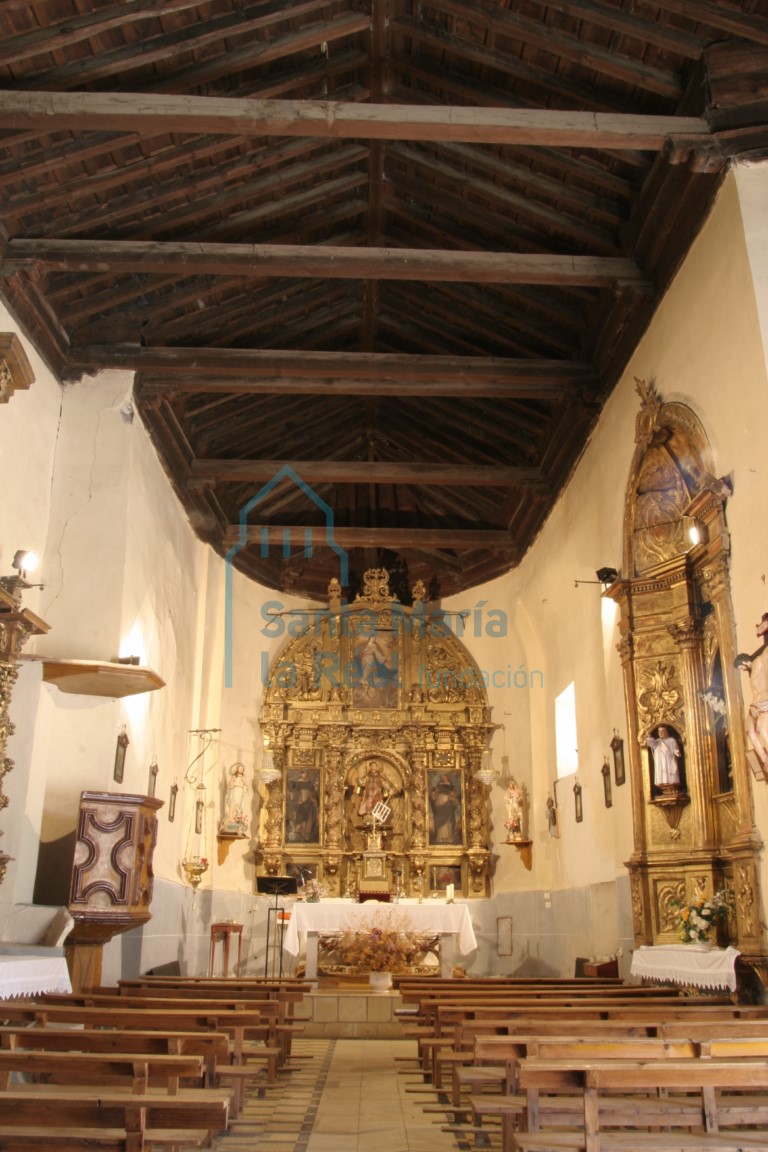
449	892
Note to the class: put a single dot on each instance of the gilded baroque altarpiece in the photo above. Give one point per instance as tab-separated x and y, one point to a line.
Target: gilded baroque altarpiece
375	702
677	650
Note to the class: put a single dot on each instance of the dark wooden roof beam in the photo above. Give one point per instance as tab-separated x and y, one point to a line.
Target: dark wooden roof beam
301	260
395	538
159	115
365	472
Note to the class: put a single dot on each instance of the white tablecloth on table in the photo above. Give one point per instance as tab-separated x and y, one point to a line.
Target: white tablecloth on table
29	975
687	964
338	915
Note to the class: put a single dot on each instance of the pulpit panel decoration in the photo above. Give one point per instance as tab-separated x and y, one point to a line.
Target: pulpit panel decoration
112	877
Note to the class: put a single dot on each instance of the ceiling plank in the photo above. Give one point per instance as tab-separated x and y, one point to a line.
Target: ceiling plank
151	113
587	54
328	262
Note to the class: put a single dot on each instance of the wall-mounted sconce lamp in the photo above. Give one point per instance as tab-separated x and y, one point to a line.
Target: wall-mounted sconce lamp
24	562
605	577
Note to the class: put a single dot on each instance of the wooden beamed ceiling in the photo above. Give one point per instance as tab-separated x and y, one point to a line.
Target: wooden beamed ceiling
374	263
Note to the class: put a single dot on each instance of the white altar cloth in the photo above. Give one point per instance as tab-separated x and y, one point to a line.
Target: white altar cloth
29	975
449	921
692	964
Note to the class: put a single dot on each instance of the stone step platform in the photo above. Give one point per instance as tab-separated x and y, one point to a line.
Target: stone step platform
347	1009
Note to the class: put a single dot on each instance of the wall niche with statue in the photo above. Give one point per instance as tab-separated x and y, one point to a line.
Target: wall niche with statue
376	717
691	786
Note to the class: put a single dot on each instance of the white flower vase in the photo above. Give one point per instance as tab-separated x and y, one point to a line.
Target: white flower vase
380	981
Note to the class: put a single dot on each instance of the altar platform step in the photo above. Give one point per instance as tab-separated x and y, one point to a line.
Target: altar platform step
348	1010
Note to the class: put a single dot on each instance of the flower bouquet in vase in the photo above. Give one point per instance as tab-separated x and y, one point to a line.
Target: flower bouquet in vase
697	921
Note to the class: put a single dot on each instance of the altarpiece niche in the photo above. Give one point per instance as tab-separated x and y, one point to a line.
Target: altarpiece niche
377	717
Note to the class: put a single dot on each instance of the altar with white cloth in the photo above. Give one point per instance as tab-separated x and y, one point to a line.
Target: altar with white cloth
450	921
687	964
31	974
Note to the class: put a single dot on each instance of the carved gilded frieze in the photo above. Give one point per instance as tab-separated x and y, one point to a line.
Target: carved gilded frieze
744	883
637	905
668	893
15	370
659	698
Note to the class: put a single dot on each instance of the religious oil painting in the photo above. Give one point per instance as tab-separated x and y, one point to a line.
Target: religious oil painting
445	813
442	876
302	806
375	669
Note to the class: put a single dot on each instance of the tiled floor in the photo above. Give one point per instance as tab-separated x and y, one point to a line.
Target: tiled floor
342	1096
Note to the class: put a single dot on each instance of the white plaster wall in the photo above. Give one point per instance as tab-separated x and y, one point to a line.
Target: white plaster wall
28	434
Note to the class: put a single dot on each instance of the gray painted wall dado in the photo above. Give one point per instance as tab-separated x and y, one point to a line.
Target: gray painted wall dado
548	932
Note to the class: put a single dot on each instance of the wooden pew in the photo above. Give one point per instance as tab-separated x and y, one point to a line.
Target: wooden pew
212	1047
237	1024
137	1071
563	1109
278	1026
36	1115
508	1104
695	1024
714	1102
490	1054
449	1015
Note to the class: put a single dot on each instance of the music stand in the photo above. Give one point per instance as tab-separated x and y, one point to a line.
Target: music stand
276	886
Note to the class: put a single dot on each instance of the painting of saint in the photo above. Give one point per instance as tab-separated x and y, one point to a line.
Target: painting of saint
376	670
302	806
445	821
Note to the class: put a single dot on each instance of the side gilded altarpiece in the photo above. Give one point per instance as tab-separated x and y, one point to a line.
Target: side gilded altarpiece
692	808
377	717
17	625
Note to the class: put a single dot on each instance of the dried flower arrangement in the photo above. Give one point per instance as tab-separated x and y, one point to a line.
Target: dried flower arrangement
385	946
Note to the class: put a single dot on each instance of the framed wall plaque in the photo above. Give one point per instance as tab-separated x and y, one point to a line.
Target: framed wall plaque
122	744
617	747
578	807
172	803
606	773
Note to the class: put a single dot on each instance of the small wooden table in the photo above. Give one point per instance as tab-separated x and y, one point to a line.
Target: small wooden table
223	931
